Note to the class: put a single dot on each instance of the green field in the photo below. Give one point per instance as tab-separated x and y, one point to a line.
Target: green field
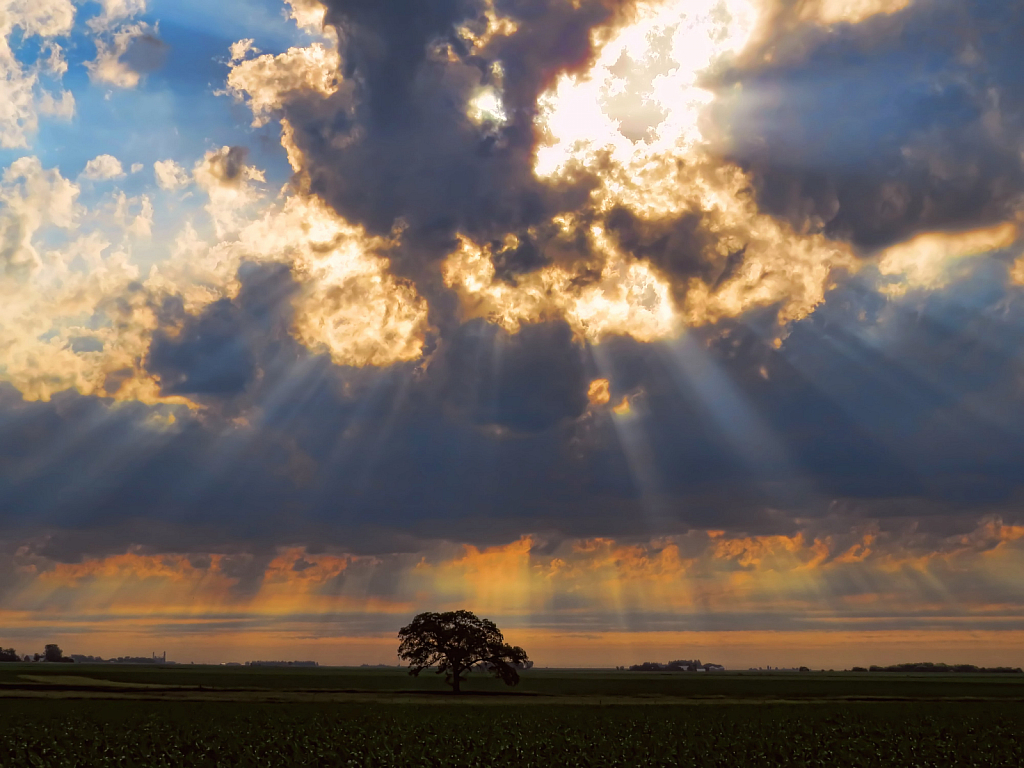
83	716
537	683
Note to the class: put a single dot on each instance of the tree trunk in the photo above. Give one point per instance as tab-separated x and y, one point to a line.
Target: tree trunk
456	672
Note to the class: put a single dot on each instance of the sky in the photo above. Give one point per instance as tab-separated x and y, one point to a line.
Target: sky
649	330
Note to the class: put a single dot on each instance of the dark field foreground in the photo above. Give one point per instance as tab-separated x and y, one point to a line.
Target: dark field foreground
79	716
118	733
537	686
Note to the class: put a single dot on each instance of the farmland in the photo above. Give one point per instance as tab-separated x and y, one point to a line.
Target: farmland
142	716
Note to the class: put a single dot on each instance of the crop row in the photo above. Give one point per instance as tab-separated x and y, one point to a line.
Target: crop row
541	736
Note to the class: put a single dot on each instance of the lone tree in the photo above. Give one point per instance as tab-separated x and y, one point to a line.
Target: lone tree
456	641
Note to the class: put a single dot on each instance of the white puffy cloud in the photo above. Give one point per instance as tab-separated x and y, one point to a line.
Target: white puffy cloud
56	64
307	14
21	98
134	215
263	81
242	48
31	198
102	168
113	11
63	108
169	175
230	182
45	18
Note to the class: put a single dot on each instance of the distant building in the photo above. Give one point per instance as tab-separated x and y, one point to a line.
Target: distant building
680	665
154	659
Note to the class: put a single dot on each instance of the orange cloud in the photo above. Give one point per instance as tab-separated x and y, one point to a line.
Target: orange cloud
599	392
870	580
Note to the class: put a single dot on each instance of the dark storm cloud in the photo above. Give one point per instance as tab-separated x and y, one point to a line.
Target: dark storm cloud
213	353
905	122
208	357
870	411
396	144
528	382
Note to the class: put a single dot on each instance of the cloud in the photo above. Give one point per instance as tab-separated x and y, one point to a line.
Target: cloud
81	313
32	199
62	108
1017	272
211	354
526	382
20	94
170	176
424	127
71	317
265	81
103	168
555	207
126	55
225	167
923	260
598	392
307	14
590	305
241	49
114	11
849	130
867	580
499	436
830	12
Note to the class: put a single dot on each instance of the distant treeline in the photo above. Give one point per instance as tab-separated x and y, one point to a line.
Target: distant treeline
679	665
51	653
929	667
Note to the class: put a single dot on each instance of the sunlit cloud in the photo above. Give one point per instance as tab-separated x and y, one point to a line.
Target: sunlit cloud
926	260
261	82
598	392
628	298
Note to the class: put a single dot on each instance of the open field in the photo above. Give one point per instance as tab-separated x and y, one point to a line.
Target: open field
80	716
116	733
536	685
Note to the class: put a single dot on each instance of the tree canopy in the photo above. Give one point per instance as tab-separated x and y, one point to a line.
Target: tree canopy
455	642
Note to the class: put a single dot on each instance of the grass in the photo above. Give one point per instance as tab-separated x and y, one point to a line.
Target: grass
552	683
